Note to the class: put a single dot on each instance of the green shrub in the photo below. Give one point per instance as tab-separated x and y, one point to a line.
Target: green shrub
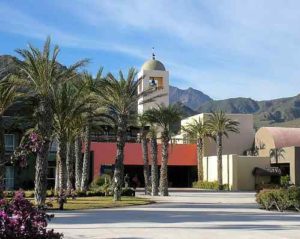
29	194
260	187
206	185
81	194
94	193
101	180
281	199
9	194
128	192
210	185
285	181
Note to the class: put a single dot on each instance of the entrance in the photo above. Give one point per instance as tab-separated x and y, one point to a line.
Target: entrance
179	176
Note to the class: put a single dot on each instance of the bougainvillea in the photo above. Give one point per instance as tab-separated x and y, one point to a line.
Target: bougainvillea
30	145
20	219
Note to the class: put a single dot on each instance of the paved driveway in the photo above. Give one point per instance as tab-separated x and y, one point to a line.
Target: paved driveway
182	215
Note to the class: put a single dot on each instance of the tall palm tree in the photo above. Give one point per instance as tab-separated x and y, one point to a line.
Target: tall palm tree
198	131
8	95
154	166
144	142
164	117
91	85
70	102
277	153
119	97
220	125
40	74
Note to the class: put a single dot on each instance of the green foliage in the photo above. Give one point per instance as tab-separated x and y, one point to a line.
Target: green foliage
94	193
280	199
214	185
206	185
285	181
101	181
128	192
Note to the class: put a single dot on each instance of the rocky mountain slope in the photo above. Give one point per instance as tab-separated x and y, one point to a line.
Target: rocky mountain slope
190	97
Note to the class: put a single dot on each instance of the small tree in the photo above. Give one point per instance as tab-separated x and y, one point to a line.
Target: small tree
198	131
277	154
164	117
220	125
142	119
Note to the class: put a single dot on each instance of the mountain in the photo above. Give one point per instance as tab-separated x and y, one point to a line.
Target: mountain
268	112
190	97
283	111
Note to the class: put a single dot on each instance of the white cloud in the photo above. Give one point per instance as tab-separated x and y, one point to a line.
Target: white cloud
224	48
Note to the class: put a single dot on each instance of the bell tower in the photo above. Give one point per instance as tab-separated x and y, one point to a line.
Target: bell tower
154	79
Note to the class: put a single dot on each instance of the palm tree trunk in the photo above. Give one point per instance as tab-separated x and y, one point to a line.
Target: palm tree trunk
44	127
62	152
86	159
2	155
154	167
78	162
119	165
219	155
200	159
70	167
56	186
146	162
163	184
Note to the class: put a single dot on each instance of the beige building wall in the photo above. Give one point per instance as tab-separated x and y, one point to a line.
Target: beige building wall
235	143
237	170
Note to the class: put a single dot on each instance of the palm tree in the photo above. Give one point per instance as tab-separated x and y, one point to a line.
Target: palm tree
198	131
154	166
91	85
164	117
119	97
70	102
40	74
144	142
219	125
8	95
277	153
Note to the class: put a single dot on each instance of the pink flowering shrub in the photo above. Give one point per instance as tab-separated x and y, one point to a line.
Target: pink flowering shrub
19	219
30	145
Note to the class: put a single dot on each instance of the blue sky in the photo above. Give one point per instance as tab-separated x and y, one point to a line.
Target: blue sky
232	48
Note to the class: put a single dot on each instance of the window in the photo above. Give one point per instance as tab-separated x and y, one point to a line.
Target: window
156	82
9	180
9	142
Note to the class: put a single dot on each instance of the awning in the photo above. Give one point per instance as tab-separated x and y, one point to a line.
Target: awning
270	171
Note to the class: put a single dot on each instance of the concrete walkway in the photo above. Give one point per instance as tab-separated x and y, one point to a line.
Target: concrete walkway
189	215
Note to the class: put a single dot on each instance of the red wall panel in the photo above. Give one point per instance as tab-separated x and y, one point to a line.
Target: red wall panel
179	154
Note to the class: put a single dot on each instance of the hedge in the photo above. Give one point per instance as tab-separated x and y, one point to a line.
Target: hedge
209	185
281	199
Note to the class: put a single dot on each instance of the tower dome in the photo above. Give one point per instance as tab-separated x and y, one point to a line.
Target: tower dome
153	64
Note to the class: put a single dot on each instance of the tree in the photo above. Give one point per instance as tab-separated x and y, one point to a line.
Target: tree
277	153
8	95
220	125
198	131
164	117
69	104
154	166
91	86
119	97
40	75
144	142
